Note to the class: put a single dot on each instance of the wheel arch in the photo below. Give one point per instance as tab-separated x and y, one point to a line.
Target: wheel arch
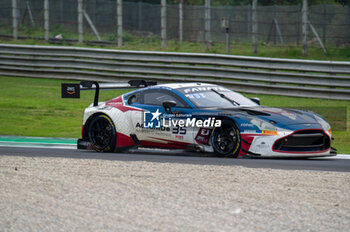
88	122
229	118
226	119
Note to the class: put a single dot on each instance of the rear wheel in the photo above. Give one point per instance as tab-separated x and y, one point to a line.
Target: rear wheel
226	139
102	134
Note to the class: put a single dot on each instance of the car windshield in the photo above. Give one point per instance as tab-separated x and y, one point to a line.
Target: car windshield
204	97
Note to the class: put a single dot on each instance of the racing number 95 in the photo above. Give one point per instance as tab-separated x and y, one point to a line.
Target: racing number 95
179	130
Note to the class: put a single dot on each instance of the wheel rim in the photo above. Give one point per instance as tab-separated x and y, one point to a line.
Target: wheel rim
225	139
101	133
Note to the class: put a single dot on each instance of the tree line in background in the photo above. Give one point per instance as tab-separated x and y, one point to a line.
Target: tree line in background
246	2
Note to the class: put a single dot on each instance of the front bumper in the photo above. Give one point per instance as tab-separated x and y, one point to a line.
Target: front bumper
308	146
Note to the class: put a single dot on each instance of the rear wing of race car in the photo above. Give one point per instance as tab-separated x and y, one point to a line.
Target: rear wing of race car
70	90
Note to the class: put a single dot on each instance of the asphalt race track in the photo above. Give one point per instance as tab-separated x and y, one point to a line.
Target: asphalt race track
339	164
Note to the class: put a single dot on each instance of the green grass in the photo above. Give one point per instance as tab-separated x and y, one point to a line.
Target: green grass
152	43
34	107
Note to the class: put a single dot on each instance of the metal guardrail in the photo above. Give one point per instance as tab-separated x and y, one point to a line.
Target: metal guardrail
288	77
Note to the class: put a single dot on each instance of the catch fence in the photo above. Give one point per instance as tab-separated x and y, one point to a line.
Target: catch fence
277	24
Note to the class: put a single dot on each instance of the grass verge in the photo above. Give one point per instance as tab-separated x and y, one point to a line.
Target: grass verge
34	107
152	43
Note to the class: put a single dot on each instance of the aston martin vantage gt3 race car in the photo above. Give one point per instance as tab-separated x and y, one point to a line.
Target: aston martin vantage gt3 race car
198	116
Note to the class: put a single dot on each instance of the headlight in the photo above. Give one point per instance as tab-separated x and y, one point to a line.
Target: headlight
325	125
266	127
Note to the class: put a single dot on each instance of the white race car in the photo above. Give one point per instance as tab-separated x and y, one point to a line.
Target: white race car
198	116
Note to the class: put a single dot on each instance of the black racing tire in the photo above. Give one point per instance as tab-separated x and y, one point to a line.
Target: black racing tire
226	140
102	134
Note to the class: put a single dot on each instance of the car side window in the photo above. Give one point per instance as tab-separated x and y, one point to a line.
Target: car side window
157	97
134	98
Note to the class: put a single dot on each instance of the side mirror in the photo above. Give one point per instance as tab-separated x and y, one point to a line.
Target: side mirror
168	105
256	100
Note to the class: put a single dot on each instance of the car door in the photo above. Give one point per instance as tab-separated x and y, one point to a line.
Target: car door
155	127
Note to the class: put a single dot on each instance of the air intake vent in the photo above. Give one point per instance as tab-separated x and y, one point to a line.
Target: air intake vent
303	141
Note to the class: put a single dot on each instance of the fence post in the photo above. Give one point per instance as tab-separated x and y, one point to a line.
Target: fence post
46	20
163	23
120	22
180	20
207	24
80	20
255	26
14	19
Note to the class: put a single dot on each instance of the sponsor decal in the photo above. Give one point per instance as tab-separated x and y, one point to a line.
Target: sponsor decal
247	125
115	103
269	132
203	136
205	132
250	132
104	107
70	90
161	128
203	89
180	137
118	103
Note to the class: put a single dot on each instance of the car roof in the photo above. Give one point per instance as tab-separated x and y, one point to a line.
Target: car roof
185	85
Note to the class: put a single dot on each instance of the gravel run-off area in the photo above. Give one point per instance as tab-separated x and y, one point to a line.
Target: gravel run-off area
63	194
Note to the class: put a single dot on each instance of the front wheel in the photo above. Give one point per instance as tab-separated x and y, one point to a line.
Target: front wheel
226	140
102	134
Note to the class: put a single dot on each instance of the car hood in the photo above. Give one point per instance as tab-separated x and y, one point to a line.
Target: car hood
280	117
